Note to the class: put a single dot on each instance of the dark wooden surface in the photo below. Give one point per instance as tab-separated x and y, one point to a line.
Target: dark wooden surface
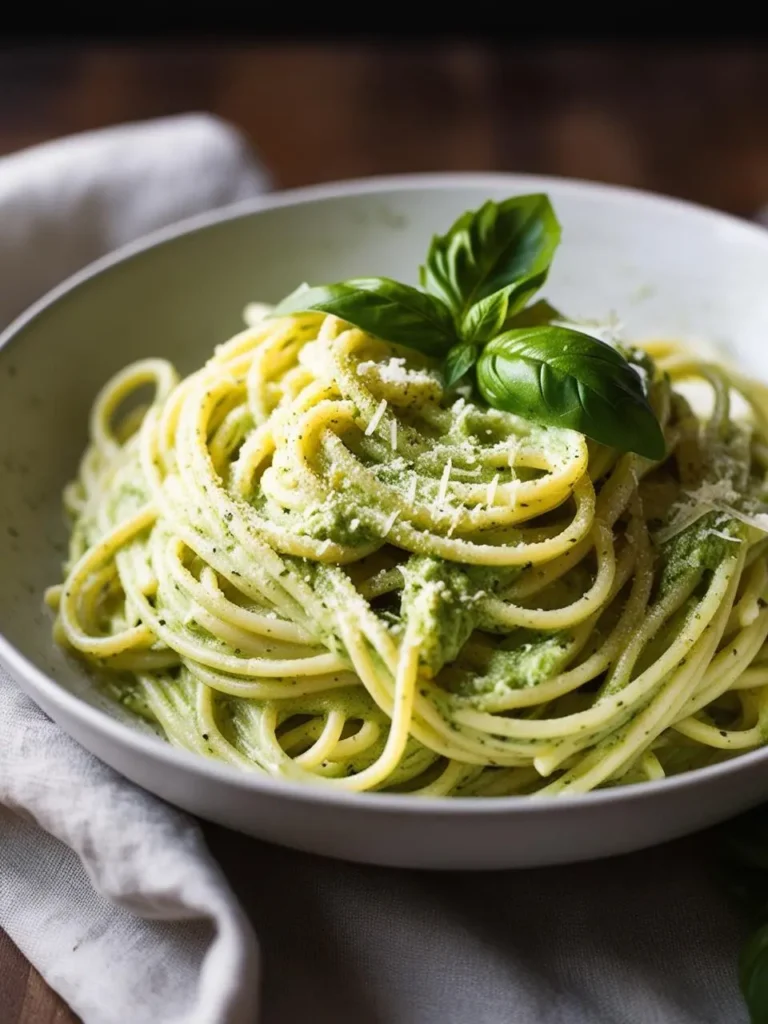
690	122
685	121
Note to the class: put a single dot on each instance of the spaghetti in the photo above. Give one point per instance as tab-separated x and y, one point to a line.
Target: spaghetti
311	560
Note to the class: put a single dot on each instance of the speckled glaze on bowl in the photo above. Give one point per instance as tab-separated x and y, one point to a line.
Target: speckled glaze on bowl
665	267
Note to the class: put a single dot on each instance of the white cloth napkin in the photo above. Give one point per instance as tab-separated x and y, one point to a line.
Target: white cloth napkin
65	203
113	895
109	892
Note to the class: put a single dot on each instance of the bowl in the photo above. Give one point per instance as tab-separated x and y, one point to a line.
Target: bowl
663	266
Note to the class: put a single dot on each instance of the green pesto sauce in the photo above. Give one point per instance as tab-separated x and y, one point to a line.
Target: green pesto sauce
125	691
341	520
531	657
440	602
698	548
493	579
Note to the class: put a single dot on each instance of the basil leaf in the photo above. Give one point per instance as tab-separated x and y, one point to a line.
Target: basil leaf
486	250
744	875
563	378
390	310
500	311
460	359
486	318
753	975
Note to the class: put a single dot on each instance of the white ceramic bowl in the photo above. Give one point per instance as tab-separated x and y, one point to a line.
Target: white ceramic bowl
663	266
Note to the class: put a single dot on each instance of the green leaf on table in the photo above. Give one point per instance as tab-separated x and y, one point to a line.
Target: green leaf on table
744	869
559	377
395	312
753	975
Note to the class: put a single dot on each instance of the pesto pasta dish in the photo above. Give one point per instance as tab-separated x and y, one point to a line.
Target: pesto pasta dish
439	539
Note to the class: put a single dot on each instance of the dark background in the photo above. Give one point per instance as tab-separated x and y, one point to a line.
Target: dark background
685	117
689	119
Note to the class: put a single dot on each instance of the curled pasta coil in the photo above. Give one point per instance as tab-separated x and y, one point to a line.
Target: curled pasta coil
308	559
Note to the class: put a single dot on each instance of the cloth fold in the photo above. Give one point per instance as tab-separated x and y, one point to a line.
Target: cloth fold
68	202
110	892
115	897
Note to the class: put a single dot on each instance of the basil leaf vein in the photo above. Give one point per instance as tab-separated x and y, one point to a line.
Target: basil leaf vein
395	312
491	249
459	361
559	377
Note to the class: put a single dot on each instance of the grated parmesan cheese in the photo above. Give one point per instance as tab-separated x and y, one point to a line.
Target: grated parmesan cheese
394	371
376	418
723	536
492	487
411	496
708	497
393	434
443	489
759	520
455	520
610	330
390	522
255	312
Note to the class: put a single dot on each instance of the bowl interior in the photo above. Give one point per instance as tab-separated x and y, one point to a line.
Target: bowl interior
664	268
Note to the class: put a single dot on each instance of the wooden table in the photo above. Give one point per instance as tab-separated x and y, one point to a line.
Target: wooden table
691	123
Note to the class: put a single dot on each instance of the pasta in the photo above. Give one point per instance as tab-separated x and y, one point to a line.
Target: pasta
312	560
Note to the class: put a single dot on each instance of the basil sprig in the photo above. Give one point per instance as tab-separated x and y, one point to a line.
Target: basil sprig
471	312
494	258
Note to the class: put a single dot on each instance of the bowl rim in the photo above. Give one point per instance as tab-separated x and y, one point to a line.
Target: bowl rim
153	747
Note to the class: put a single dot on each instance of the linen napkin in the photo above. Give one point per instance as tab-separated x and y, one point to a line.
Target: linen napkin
114	896
65	203
109	892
